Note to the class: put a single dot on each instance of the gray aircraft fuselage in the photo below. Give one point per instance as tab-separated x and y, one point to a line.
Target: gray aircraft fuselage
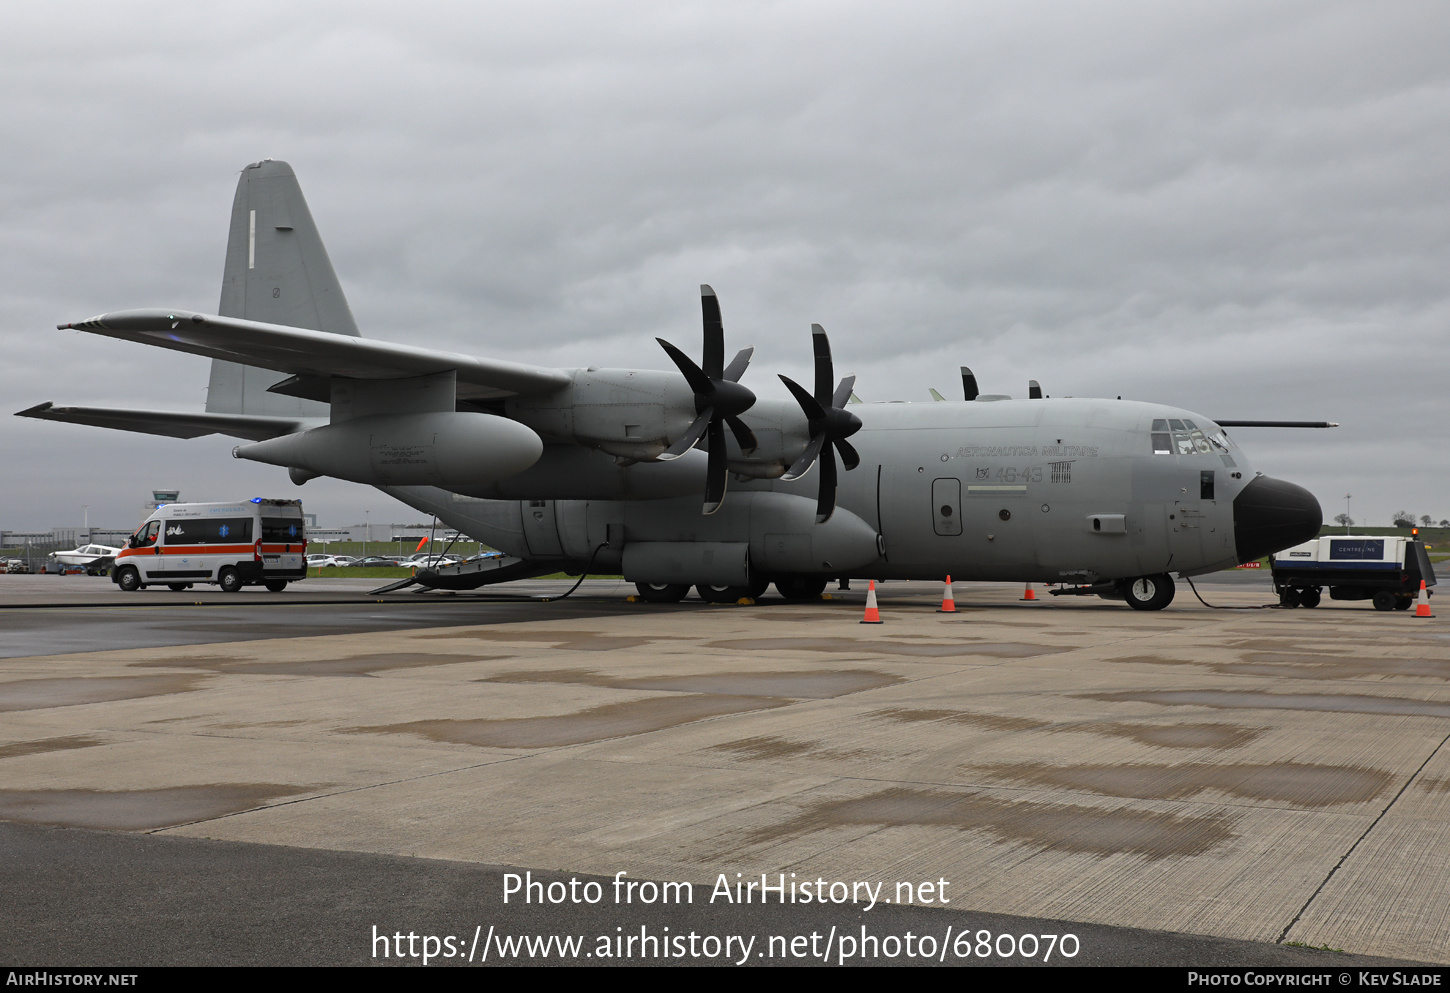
1056	490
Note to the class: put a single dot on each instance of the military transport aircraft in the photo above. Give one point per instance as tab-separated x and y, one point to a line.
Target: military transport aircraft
626	470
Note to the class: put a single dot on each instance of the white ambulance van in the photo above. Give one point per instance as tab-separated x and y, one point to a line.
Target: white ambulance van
255	543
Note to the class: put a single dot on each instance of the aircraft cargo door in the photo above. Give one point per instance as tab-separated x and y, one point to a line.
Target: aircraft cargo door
541	530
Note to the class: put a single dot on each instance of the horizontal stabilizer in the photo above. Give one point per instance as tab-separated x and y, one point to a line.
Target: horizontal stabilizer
172	424
318	353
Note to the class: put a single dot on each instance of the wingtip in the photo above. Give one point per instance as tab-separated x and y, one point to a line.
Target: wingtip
705	290
817	329
35	411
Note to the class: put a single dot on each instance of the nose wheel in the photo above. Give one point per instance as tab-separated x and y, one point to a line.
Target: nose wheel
1149	592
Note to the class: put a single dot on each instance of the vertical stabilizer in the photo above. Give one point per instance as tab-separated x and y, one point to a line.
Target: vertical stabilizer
277	272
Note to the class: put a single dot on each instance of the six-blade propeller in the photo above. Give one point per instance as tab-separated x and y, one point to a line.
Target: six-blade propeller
719	400
830	425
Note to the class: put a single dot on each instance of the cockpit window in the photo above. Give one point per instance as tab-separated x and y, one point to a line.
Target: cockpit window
1175	436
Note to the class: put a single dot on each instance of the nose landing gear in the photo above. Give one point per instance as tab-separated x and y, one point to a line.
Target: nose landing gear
1148	592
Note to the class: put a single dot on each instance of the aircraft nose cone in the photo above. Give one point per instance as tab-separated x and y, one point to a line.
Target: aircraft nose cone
1271	515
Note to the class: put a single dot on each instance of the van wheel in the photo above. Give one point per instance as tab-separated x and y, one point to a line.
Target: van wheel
1149	592
662	592
276	585
229	580
129	579
1384	600
1404	603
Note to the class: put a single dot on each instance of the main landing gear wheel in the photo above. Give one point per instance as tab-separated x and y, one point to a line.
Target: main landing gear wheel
722	594
1289	598
129	579
229	580
1309	597
1149	592
801	587
1404	602
662	592
276	585
1385	600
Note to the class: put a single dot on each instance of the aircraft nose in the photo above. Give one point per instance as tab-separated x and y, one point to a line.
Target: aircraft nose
1271	515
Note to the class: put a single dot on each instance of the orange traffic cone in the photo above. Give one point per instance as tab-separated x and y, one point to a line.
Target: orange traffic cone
873	616
1422	605
948	604
1029	595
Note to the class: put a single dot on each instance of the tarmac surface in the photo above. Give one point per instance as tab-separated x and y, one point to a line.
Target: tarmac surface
197	778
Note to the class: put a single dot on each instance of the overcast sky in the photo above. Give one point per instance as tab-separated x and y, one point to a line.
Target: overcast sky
1240	208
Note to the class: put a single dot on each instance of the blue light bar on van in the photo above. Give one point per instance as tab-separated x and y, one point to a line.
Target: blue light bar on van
256	499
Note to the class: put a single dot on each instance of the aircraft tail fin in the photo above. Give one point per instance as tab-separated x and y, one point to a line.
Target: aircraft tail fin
278	272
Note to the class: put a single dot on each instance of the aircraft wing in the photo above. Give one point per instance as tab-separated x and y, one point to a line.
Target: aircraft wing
310	355
173	424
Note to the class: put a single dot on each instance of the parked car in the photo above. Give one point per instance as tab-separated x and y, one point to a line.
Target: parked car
316	561
379	562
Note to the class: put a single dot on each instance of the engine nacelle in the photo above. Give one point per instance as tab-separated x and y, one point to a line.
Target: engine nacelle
628	413
429	449
637	414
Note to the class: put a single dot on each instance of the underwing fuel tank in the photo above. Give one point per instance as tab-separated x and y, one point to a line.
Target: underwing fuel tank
450	449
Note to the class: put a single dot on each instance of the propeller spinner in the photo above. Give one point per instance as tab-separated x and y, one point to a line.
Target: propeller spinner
719	400
830	425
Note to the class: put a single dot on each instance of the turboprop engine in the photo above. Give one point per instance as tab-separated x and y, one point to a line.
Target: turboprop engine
449	449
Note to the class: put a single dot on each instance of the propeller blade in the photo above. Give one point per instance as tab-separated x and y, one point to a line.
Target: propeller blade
694	375
843	392
716	474
807	458
737	365
744	437
969	384
690	438
826	501
713	356
850	458
814	411
1034	391
825	374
